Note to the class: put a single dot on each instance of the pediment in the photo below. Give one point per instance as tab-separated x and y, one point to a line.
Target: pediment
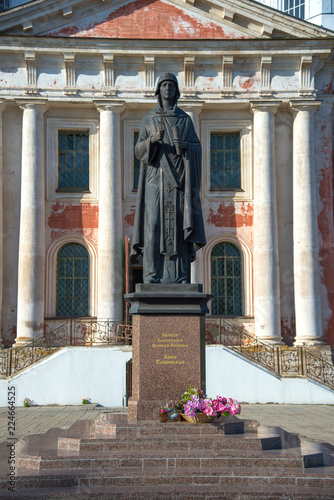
154	19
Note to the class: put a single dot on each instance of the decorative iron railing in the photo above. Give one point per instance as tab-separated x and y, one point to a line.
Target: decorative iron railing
318	369
15	359
71	332
280	359
86	332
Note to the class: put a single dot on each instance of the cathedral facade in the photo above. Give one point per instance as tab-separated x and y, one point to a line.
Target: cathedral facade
78	77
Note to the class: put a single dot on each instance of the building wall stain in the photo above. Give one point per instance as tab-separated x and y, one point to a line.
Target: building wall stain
231	215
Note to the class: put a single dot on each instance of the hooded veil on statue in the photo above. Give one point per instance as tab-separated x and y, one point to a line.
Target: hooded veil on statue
168	227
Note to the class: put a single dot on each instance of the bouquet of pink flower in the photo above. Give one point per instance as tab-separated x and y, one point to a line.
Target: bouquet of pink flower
221	406
194	401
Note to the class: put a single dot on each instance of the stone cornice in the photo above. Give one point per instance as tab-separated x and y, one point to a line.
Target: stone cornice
99	46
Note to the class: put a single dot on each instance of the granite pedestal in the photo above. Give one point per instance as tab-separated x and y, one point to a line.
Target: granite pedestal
168	345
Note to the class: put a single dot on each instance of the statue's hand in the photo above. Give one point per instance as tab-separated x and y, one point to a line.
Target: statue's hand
179	145
157	137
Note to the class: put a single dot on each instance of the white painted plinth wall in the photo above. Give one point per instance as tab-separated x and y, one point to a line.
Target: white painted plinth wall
72	374
99	373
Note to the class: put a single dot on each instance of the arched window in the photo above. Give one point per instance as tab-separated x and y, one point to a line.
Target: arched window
226	280
72	281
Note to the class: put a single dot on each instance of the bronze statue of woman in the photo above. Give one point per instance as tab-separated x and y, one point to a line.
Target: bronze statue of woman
168	227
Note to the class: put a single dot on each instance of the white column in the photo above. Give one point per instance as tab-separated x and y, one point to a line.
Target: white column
193	110
266	270
110	244
2	107
305	227
31	269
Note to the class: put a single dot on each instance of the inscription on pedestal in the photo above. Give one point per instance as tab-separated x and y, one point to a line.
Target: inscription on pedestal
170	341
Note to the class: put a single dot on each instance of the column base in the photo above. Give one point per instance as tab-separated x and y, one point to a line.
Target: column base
272	340
26	340
308	341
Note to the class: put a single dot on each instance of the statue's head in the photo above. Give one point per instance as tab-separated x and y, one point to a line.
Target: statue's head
164	87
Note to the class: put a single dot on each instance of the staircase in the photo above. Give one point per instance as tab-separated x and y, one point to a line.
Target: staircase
238	459
71	332
314	363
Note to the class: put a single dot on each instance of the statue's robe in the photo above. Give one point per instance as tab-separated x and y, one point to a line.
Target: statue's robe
168	227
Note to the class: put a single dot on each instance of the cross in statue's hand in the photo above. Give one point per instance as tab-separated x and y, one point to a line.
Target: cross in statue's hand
161	114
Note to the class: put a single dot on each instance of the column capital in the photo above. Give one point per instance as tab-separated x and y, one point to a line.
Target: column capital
269	106
110	105
304	105
37	104
192	106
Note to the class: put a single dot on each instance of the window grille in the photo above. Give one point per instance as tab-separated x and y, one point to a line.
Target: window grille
295	8
73	160
226	280
136	162
225	165
72	281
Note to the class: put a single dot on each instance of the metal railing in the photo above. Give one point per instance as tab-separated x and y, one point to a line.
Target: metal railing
283	360
86	332
318	369
71	332
15	359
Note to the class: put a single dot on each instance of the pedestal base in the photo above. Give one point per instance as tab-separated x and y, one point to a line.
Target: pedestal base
168	348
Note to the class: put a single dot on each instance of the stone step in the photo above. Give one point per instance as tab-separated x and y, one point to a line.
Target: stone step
187	443
171	459
104	427
242	477
176	492
175	460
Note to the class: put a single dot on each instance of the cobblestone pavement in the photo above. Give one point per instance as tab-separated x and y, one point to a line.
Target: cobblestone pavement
316	422
313	421
39	419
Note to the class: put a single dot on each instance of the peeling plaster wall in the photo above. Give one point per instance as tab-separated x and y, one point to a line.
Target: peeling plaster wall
12	71
66	218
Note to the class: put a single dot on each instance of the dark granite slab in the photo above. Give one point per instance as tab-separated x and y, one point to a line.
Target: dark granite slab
163	298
